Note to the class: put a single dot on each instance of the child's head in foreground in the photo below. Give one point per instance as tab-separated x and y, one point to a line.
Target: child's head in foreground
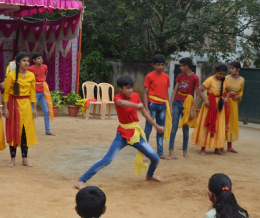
159	62
90	202
37	58
125	85
224	201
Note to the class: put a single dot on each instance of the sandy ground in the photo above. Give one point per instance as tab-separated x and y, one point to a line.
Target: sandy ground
46	190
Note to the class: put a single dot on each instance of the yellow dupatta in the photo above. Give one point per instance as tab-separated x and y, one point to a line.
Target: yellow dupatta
187	104
47	96
168	118
140	168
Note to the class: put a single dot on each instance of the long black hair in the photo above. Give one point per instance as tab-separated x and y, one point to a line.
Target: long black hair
221	67
19	57
226	205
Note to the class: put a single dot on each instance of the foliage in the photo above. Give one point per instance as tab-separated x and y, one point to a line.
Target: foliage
93	68
71	99
130	29
55	16
57	99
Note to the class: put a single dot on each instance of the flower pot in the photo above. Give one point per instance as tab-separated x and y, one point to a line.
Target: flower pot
197	112
73	110
55	110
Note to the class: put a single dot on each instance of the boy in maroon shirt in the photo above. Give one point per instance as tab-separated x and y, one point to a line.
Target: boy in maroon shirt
40	71
127	103
186	83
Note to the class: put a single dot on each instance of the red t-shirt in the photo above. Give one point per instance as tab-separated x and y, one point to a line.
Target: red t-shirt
127	114
158	85
39	73
187	85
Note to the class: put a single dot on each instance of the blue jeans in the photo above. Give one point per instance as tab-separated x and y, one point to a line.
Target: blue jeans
158	111
119	143
177	109
40	97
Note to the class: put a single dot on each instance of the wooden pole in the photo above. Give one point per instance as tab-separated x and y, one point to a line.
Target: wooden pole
79	52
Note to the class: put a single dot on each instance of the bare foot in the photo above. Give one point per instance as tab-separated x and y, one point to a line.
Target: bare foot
26	163
185	154
165	157
172	155
50	133
203	153
145	159
222	150
79	185
11	164
156	178
232	150
219	152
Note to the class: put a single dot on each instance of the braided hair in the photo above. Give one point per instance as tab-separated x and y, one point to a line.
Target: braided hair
19	57
221	67
226	205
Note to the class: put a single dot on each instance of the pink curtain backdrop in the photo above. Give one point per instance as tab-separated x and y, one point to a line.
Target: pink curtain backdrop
59	53
23	8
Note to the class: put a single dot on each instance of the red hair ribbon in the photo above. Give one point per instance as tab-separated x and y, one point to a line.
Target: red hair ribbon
225	188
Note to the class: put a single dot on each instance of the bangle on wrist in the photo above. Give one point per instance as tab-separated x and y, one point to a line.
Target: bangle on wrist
1	105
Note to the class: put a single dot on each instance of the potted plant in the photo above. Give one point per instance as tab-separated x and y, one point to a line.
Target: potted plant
57	101
73	105
198	108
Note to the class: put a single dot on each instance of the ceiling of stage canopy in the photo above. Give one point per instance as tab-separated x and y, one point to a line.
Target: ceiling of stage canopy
23	8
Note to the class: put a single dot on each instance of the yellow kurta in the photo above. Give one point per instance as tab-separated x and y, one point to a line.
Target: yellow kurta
2	137
27	88
237	87
200	134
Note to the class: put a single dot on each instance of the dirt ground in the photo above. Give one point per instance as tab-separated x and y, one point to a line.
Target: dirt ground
47	190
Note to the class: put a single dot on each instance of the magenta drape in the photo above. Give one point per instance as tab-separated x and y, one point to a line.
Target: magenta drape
22	8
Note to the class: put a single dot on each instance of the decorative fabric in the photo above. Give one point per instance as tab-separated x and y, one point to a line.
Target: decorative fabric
140	168
22	8
13	122
187	104
168	118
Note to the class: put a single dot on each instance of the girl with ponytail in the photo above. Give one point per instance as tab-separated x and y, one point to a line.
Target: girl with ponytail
18	96
224	204
210	132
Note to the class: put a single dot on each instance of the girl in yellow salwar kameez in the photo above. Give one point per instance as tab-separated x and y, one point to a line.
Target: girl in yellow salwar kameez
210	132
18	95
236	86
2	137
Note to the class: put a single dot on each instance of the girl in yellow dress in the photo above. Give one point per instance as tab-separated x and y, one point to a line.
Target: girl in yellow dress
210	132
237	86
18	95
2	137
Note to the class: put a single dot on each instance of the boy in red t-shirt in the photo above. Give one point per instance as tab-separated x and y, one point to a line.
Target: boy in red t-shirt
186	83
40	71
127	103
156	84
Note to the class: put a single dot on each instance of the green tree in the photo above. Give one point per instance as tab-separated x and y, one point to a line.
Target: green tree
131	29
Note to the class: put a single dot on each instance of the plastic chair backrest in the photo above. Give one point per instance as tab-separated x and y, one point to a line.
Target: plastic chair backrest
90	87
105	91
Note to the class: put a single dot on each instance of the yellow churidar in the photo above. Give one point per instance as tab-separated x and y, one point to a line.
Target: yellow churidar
187	104
168	117
2	137
140	168
47	96
27	88
200	135
237	87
